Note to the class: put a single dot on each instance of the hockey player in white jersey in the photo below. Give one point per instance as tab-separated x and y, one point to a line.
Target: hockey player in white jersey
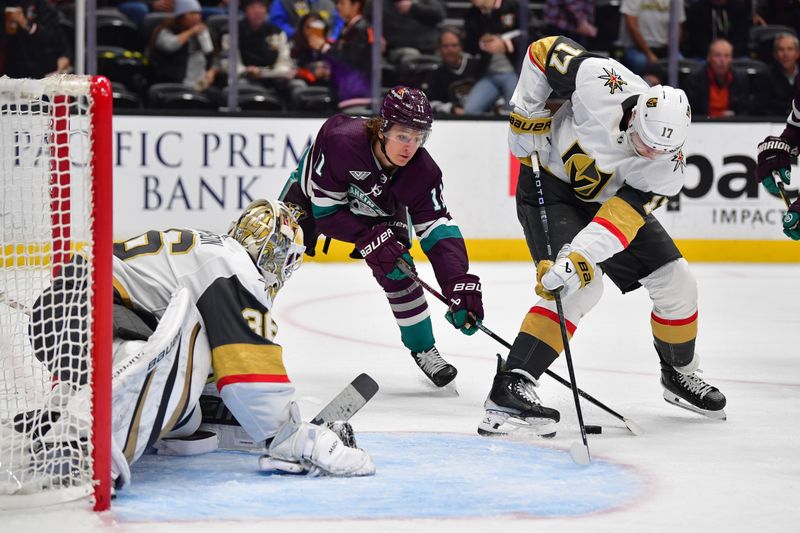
192	306
610	156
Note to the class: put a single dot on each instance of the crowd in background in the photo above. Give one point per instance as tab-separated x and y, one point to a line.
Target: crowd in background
737	57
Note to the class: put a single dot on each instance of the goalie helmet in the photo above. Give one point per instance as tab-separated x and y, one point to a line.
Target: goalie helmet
269	232
661	119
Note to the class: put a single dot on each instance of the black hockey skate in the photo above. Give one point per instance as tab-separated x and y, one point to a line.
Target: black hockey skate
690	392
439	371
513	404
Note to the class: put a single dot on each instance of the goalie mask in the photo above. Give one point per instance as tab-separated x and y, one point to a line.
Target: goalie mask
660	122
270	233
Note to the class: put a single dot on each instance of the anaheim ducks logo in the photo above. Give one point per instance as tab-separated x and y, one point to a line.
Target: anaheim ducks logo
586	179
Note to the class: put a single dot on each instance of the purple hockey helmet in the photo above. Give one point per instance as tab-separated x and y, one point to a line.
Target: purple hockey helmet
407	107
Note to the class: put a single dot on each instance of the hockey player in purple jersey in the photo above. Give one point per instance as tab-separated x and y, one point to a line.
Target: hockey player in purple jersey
361	181
774	163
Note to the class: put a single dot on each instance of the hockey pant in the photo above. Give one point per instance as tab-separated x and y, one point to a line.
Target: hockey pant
651	260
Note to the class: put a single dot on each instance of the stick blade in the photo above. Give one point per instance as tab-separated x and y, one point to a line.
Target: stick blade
634	428
580	453
348	402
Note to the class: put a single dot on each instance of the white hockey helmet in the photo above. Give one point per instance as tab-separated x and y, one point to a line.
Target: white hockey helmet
661	119
271	235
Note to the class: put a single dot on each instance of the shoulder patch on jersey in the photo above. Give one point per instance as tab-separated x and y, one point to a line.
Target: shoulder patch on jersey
297	212
360	174
586	179
612	80
538	51
679	160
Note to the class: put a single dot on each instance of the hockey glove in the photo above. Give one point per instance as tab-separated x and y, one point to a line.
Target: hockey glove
466	304
529	133
381	249
774	163
791	221
570	272
300	447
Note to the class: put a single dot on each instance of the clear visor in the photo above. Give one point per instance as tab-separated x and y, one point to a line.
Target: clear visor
408	136
648	152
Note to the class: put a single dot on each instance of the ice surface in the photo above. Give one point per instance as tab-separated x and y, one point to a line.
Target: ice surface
685	473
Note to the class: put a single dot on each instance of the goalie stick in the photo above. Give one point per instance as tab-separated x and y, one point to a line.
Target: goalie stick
348	402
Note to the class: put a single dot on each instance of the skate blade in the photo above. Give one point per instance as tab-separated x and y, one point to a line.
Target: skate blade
498	424
677	401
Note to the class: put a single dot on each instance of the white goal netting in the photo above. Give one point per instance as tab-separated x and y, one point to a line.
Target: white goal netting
46	250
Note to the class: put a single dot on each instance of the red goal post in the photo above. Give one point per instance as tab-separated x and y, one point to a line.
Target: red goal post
55	208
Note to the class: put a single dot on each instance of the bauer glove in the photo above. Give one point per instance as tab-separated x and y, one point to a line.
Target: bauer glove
774	160
466	304
529	133
570	271
381	249
791	221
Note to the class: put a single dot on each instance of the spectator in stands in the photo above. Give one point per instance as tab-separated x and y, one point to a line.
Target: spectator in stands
450	84
717	90
410	27
263	47
570	18
644	31
32	41
181	50
350	57
311	66
786	52
782	12
286	14
492	33
137	10
707	20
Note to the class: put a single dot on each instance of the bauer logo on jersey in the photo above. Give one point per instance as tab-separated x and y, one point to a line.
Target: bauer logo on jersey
613	80
586	179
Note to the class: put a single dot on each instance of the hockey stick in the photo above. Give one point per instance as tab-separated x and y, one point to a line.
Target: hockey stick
10	302
783	194
632	426
579	454
348	402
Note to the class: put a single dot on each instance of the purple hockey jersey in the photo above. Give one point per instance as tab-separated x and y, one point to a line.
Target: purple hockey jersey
347	193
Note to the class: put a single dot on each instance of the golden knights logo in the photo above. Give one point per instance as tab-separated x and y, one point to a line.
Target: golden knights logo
586	179
679	160
613	80
298	212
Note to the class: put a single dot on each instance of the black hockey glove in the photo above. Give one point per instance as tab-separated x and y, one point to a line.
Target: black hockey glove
774	162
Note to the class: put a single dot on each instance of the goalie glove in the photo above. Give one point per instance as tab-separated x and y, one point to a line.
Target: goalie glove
529	133
774	162
570	271
300	447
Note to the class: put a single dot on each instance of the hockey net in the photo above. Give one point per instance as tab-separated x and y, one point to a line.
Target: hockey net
55	219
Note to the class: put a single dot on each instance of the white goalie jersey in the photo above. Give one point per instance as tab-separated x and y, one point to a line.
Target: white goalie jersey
589	148
213	309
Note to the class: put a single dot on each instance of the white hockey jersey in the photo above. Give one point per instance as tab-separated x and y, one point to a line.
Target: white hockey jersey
229	338
590	149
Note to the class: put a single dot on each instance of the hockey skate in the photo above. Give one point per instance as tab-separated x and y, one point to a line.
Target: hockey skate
439	371
513	405
690	392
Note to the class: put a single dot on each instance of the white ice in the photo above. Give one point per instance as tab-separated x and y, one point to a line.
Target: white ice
698	475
